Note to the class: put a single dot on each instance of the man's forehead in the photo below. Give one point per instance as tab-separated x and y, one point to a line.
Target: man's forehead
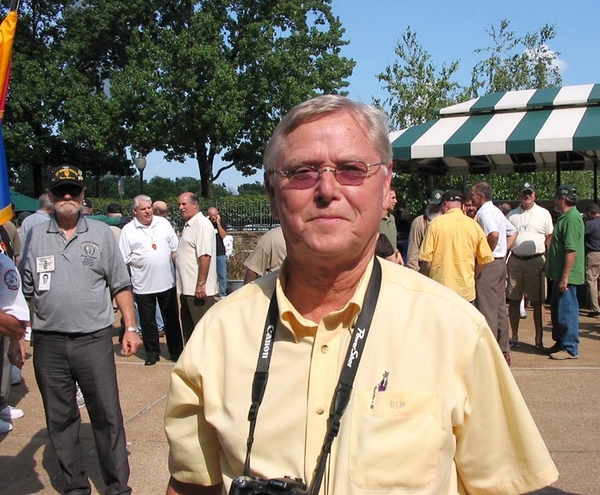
327	128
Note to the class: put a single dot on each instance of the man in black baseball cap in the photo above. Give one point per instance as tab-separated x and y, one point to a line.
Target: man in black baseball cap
526	186
419	225
452	242
71	269
565	266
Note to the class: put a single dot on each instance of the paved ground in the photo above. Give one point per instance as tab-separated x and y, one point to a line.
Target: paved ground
562	395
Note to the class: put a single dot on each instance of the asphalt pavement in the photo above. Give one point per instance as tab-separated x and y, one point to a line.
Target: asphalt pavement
563	396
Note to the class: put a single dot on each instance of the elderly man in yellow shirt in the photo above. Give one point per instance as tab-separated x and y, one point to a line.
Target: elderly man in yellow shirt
425	403
455	248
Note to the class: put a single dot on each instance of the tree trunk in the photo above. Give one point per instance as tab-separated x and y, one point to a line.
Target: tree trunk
205	165
38	180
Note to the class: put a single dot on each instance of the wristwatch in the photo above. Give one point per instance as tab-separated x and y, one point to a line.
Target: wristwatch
130	329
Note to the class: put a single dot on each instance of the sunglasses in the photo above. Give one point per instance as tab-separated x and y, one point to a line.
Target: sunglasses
347	174
64	189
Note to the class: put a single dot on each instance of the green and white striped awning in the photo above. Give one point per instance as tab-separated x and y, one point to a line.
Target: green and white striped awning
514	131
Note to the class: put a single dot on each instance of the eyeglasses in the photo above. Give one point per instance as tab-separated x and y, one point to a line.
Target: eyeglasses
64	189
347	173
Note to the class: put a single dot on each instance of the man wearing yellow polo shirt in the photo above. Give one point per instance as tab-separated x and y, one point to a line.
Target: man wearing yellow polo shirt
432	407
455	248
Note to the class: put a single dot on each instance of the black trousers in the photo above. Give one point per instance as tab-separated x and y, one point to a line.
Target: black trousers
192	309
167	302
60	360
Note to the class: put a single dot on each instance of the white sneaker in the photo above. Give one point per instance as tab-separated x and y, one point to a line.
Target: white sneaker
10	412
27	337
79	398
5	426
15	375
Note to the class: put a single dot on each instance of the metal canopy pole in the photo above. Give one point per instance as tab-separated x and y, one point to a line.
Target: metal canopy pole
595	180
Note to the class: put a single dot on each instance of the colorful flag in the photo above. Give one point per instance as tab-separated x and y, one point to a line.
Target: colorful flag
7	36
6	212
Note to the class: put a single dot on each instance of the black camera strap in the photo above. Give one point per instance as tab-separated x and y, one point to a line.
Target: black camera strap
343	391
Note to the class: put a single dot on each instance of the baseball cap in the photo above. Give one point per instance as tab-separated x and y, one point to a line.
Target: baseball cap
453	195
527	186
436	197
114	208
65	174
87	203
568	191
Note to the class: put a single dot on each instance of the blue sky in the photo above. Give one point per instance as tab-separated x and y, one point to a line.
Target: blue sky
448	30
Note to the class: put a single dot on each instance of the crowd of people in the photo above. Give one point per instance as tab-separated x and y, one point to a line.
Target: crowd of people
380	378
77	269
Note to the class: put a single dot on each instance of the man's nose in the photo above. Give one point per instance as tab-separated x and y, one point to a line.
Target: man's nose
327	183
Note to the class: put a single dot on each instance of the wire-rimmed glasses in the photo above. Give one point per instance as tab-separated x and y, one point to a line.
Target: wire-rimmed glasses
351	173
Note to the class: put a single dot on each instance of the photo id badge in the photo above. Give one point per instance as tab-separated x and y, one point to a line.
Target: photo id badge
44	264
45	279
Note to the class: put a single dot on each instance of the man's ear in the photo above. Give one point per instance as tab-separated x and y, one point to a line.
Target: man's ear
268	178
387	187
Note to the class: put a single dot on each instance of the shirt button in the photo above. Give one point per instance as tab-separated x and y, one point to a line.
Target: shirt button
324	349
320	410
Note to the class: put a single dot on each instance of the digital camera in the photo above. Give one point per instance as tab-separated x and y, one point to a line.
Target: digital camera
250	485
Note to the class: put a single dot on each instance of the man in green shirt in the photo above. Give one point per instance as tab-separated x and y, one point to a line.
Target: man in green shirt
565	266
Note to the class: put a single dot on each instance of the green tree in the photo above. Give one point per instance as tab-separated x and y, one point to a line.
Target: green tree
417	89
257	188
95	81
57	110
214	77
515	62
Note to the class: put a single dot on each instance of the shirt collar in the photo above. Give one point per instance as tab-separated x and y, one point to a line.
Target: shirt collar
139	225
82	225
344	318
192	220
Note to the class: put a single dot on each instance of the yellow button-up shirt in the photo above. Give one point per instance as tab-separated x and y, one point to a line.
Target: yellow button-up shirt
451	419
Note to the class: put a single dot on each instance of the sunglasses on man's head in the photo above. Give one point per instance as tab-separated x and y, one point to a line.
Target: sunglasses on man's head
64	189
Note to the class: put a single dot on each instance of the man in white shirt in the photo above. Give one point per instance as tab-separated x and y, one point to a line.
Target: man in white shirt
14	312
491	282
526	263
148	245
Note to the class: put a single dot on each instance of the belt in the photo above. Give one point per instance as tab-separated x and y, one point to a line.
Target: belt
525	258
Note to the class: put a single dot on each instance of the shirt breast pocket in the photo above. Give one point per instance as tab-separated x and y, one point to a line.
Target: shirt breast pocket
397	443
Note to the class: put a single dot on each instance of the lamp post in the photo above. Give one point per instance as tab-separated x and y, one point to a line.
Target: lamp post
140	164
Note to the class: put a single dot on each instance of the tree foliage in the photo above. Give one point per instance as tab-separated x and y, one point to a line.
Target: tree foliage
255	188
416	88
217	77
95	81
515	62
